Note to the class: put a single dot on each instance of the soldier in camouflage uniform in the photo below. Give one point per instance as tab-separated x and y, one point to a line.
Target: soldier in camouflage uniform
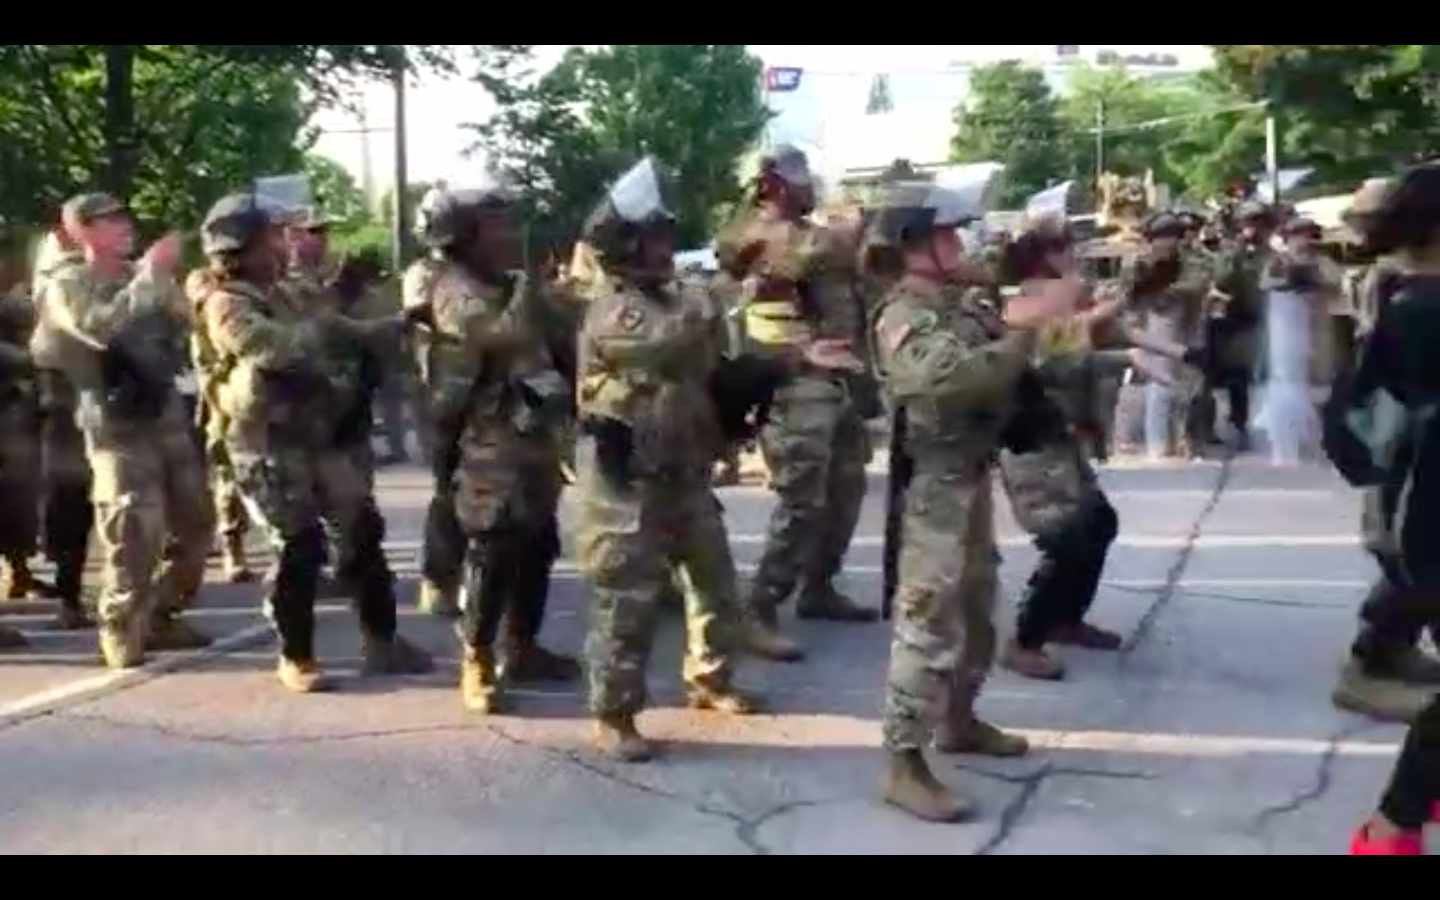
231	518
1386	676
1164	290
650	435
802	288
511	403
279	385
122	333
1233	336
19	427
947	358
19	421
1052	488
67	515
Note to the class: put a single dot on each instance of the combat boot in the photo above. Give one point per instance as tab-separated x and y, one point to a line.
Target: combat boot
302	676
760	635
824	602
20	581
1384	699
171	632
479	687
11	639
436	600
528	661
1083	634
978	737
69	573
616	737
1031	663
392	656
123	644
235	566
722	698
910	785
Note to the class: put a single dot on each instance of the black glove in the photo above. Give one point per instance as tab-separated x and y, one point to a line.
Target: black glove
614	445
1194	357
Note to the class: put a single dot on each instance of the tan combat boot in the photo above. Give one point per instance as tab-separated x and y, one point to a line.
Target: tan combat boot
122	644
20	582
761	636
392	656
302	676
171	632
824	602
480	690
1031	663
722	698
1384	699
978	737
616	737
436	600
235	566
910	785
11	639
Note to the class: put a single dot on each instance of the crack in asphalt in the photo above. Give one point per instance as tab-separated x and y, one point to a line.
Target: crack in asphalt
1177	569
1322	782
228	740
1030	783
1233	598
746	827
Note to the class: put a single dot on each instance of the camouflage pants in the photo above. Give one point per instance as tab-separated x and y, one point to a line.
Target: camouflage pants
507	510
149	487
627	542
944	640
232	521
19	478
1058	501
296	495
816	448
442	551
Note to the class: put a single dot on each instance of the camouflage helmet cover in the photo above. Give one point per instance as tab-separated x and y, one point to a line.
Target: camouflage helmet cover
440	218
235	220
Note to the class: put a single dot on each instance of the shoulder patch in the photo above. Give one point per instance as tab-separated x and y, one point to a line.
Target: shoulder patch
627	316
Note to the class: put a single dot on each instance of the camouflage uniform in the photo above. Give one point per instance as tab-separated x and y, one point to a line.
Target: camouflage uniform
231	518
645	357
281	439
947	358
149	478
67	514
505	486
1170	311
815	442
19	436
1234	338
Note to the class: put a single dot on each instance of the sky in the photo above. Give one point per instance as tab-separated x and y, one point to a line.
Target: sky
828	107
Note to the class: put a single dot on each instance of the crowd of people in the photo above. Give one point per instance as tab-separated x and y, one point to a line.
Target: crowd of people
630	382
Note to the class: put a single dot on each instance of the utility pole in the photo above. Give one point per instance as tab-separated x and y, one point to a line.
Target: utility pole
399	242
1099	142
1272	167
367	174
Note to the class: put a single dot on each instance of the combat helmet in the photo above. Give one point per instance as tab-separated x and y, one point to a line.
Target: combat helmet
637	201
445	214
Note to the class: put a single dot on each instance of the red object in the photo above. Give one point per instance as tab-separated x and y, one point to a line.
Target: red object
782	78
1406	843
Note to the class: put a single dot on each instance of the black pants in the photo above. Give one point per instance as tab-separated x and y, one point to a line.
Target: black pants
1063	585
68	515
509	573
1234	380
361	567
1415	782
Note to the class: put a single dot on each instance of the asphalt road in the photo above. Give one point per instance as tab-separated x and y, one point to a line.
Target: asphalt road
1236	586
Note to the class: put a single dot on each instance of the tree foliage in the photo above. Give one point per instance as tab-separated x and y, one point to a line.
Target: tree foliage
563	136
1012	117
170	127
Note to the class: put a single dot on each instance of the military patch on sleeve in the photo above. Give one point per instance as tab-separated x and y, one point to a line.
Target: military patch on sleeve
628	317
937	355
893	332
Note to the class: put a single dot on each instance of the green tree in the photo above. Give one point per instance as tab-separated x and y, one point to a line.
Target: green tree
1349	110
1011	117
169	127
564	135
335	191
